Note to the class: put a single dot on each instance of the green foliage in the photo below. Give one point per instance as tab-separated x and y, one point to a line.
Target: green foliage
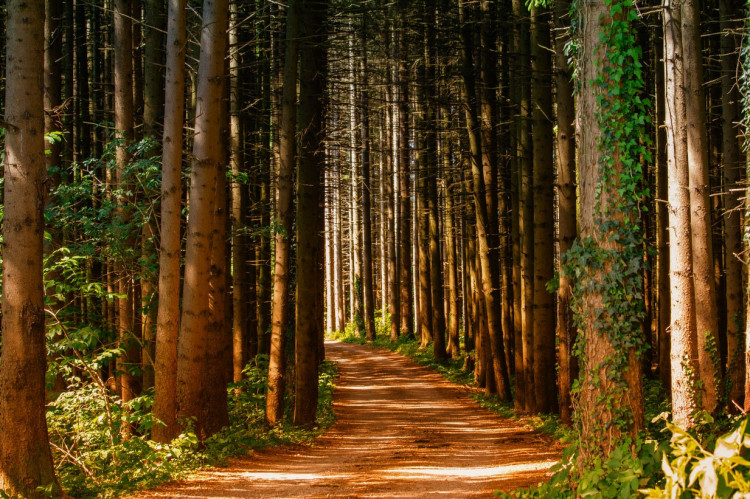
628	468
96	457
382	323
692	469
92	452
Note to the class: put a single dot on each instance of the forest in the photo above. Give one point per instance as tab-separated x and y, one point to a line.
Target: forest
544	200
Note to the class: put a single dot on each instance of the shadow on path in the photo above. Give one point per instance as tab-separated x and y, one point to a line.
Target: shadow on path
401	431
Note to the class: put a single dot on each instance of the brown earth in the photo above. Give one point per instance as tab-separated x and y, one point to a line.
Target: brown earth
401	431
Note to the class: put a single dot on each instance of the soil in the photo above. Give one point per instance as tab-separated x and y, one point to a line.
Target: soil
401	431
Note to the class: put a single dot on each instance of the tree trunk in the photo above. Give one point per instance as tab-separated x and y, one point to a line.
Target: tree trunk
168	315
218	353
284	186
610	402
82	143
391	191
432	165
368	283
704	285
25	457
240	243
544	226
193	345
732	166
309	184
404	162
684	350
566	210
153	115
53	83
453	286
123	65
662	221
153	77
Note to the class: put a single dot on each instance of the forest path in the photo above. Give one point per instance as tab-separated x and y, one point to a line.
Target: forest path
401	431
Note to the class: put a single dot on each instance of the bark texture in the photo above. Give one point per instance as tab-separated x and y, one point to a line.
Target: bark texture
25	457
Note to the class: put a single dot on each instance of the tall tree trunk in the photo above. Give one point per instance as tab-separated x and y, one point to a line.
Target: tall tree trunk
284	186
732	166
404	162
338	257
240	243
153	115
422	126
522	101
195	334
218	353
25	457
684	350
154	27
309	184
123	65
544	226
269	136
82	116
566	209
450	249
432	163
662	221
391	190
367	263
610	367
168	314
704	285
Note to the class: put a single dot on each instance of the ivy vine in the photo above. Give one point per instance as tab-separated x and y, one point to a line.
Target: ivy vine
610	264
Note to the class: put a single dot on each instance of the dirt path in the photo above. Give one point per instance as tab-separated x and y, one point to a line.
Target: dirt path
401	431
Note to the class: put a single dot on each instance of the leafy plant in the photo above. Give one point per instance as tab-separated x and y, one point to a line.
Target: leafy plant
95	458
693	469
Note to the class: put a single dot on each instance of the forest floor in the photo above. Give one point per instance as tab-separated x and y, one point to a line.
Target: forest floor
401	431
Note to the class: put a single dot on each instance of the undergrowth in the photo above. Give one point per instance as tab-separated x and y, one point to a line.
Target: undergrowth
94	458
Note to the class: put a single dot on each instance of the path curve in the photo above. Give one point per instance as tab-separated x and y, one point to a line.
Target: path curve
401	431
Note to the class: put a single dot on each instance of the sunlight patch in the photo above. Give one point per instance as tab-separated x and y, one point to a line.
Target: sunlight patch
482	472
282	476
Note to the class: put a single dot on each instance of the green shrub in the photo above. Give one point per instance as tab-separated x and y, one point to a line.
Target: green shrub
96	457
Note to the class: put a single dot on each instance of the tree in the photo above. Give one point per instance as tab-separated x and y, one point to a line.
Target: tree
605	263
566	208
240	243
704	285
732	166
193	345
404	162
545	397
25	457
154	27
684	348
284	188
168	314
309	182
368	300
123	72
